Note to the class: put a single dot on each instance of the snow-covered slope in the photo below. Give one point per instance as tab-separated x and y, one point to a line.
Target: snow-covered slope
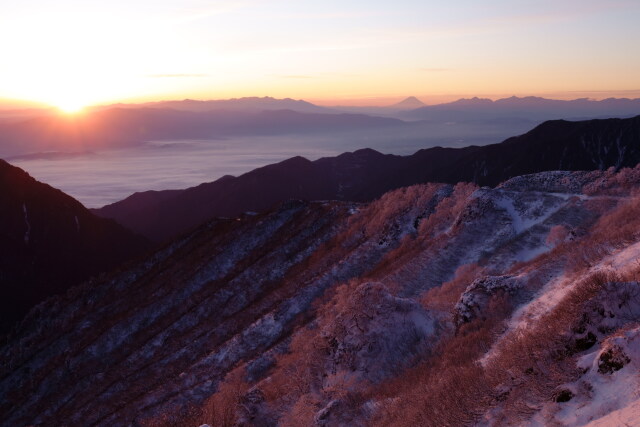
434	305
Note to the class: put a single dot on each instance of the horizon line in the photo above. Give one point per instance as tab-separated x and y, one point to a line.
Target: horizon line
356	101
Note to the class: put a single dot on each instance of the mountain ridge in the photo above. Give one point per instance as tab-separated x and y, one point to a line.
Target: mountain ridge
232	104
50	242
530	107
366	174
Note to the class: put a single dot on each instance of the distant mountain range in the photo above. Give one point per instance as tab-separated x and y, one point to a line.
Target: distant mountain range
50	242
366	174
411	108
394	110
265	103
255	104
529	108
41	130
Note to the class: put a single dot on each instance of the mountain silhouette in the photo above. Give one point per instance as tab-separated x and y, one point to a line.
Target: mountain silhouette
366	174
531	108
235	104
50	242
408	104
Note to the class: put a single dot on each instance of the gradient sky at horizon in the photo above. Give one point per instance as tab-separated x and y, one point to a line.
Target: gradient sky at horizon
73	52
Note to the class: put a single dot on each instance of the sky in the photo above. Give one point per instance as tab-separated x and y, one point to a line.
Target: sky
72	53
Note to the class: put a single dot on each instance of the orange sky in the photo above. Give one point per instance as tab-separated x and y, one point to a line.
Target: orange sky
72	53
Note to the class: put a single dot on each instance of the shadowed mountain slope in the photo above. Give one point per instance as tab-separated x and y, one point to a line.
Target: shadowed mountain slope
366	174
50	242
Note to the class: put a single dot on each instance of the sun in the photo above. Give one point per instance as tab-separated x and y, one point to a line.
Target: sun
70	107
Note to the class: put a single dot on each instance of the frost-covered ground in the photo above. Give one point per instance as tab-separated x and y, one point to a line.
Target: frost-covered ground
333	313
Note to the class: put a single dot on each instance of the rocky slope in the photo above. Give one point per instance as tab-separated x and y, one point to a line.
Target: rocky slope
367	174
436	304
50	242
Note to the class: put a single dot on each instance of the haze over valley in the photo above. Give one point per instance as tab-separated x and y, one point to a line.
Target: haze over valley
118	150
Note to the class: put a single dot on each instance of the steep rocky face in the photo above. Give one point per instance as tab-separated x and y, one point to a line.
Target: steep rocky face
366	174
320	312
50	242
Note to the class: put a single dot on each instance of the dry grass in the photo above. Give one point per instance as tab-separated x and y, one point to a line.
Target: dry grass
444	298
452	388
445	389
221	409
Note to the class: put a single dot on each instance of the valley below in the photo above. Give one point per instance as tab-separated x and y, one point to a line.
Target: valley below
103	176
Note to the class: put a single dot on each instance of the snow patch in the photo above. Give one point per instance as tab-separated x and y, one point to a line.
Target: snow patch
548	297
529	214
627	416
610	395
624	260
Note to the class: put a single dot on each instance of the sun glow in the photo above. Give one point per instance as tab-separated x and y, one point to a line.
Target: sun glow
70	107
122	51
